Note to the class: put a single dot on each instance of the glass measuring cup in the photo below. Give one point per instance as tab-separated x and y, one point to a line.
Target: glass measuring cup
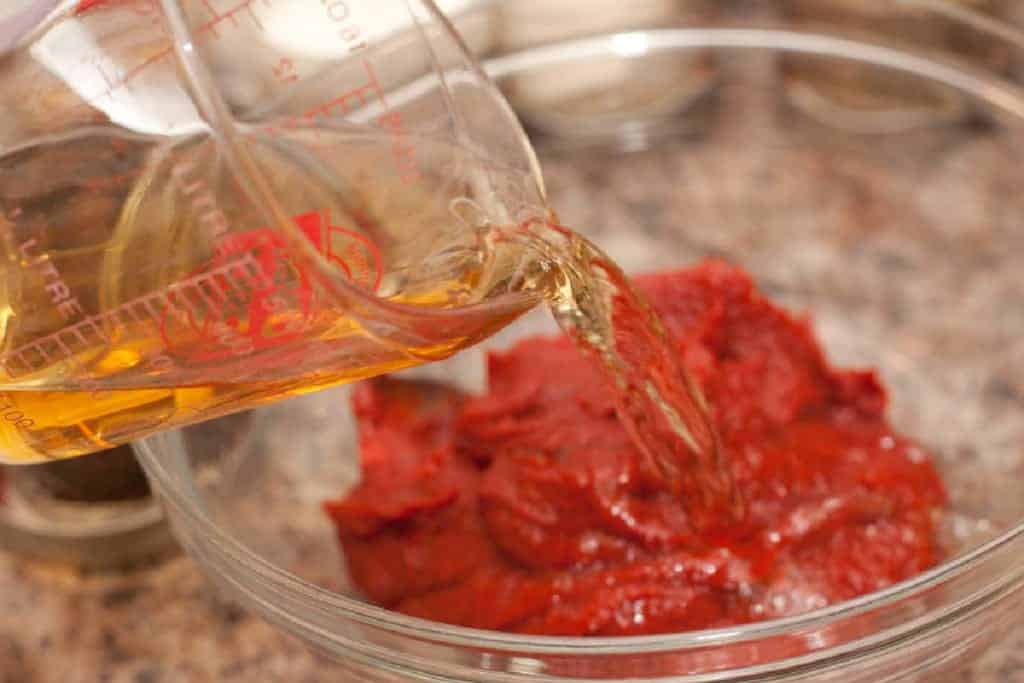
209	204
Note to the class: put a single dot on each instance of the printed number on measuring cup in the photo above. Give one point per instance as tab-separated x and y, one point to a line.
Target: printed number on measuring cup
278	304
10	413
240	345
161	363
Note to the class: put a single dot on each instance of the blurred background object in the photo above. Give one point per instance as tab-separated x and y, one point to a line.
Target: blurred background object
92	513
872	99
601	96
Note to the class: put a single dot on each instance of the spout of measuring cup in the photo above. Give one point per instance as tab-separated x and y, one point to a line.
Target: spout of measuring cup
18	23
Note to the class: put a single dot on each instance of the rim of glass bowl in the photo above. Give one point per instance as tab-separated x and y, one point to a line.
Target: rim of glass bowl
630	45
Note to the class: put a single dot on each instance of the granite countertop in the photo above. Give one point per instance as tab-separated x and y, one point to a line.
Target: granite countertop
165	624
151	625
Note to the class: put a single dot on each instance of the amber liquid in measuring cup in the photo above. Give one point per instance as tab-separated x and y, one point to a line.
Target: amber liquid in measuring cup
127	323
159	272
166	331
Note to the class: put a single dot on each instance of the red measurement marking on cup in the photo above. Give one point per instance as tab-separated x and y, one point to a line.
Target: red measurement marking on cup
86	5
209	8
339	105
207	29
284	71
278	312
370	92
180	300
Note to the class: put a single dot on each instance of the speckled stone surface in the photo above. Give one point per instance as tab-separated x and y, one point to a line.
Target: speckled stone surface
165	624
148	626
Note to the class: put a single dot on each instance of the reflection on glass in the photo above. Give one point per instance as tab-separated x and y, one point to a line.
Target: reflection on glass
871	99
596	96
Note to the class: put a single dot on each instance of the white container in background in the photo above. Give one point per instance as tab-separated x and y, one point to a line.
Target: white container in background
598	94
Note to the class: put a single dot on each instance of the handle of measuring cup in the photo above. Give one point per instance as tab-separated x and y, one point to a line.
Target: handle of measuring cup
15	28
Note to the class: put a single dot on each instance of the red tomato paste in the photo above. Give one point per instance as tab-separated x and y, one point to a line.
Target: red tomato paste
528	509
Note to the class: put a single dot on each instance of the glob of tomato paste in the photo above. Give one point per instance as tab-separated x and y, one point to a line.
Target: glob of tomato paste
529	510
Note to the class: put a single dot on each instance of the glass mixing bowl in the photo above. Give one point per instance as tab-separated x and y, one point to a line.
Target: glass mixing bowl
900	233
